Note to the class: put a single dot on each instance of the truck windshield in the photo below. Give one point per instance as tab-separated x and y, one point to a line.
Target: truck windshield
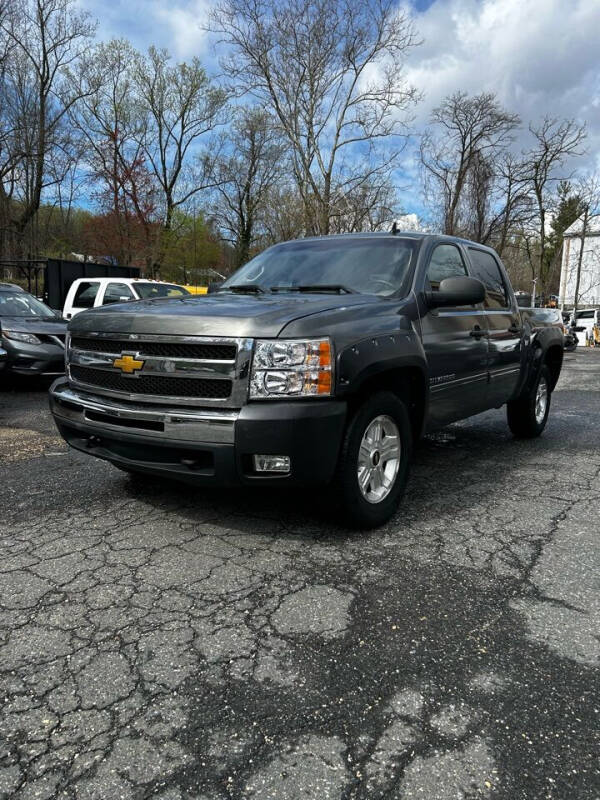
149	290
21	304
366	265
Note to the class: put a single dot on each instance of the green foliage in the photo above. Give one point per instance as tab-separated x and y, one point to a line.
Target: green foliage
569	208
190	247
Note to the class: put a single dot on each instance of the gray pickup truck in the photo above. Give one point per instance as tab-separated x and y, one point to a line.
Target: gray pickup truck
319	362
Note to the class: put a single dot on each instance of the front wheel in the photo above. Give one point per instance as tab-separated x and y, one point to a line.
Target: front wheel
527	414
374	461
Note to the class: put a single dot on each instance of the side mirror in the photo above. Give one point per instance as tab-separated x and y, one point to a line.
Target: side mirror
459	291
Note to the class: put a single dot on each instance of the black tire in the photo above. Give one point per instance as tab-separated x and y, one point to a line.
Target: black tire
357	510
521	412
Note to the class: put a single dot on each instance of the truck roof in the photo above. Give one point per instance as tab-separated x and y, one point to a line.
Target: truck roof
418	235
118	279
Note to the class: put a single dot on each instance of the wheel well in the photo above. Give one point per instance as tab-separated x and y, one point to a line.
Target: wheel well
408	383
554	359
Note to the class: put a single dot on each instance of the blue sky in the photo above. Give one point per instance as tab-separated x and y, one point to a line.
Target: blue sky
539	56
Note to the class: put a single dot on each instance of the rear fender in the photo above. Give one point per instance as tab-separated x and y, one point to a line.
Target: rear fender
546	347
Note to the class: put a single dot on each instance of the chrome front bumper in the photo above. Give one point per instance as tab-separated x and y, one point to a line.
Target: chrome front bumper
203	446
158	423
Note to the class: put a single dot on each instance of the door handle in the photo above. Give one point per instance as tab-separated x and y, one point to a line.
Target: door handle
478	332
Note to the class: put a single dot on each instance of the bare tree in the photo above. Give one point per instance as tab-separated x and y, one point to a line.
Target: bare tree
43	39
588	192
181	105
330	71
284	213
112	123
512	206
478	198
251	162
466	137
369	207
555	141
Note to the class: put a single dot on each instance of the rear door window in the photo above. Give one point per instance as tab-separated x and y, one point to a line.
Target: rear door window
117	293
86	294
486	268
446	262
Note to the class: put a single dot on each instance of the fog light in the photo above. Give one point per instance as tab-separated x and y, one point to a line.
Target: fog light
271	463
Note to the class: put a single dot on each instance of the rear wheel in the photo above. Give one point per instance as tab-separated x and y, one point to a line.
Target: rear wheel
528	414
374	461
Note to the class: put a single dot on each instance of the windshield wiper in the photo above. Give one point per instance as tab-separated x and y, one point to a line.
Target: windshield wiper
316	287
243	288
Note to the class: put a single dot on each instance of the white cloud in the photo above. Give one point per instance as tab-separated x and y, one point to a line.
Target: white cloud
177	25
186	25
539	56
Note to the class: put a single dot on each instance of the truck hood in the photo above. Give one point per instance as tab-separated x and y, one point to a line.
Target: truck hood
213	315
50	325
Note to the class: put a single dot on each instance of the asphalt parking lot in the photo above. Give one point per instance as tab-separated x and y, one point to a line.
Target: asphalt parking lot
160	641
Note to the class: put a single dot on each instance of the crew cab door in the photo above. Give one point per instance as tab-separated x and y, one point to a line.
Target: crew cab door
505	326
455	343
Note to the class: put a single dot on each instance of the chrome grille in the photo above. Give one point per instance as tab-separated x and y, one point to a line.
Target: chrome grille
161	385
207	352
177	369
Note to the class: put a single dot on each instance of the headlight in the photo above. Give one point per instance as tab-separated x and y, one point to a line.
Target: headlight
291	368
30	338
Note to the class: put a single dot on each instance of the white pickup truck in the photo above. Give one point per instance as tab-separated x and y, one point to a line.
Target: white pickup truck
587	318
87	293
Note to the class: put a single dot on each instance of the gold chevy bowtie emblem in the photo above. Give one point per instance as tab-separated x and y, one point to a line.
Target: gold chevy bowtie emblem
128	364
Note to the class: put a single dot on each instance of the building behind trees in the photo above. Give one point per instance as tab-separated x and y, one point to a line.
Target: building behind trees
589	277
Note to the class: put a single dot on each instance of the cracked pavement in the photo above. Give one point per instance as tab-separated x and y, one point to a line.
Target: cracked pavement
161	641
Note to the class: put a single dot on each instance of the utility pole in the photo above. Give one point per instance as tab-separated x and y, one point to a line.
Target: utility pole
534	281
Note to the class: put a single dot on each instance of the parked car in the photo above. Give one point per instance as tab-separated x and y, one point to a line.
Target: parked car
86	293
561	320
58	274
318	362
586	319
32	335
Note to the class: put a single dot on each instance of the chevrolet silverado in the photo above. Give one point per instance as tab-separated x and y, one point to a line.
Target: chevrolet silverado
319	362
